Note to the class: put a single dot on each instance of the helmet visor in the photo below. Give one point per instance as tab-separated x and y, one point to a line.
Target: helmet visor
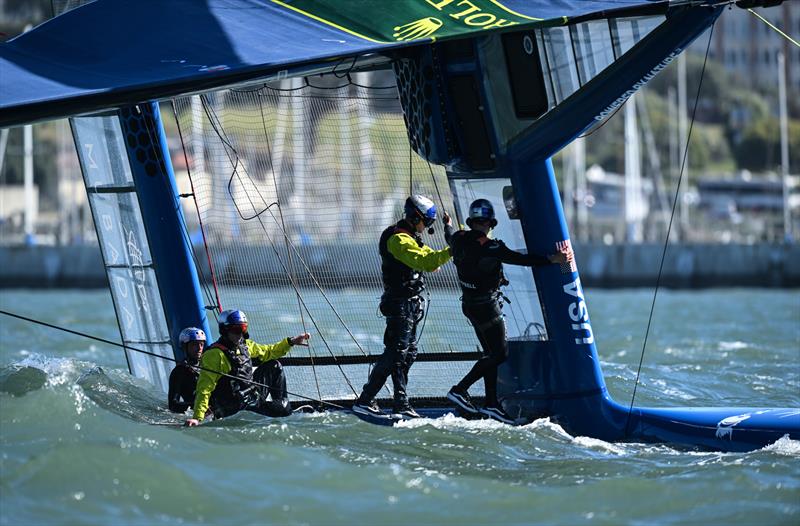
238	328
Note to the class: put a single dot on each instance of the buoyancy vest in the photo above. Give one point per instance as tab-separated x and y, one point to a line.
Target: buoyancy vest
468	248
398	278
231	395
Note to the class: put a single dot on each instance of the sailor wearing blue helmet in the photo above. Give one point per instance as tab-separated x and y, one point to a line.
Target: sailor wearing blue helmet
479	261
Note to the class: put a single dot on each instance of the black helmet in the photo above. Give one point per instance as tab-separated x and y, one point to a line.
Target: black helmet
481	210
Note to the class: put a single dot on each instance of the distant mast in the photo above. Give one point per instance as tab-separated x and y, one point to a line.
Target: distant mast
787	212
683	151
633	209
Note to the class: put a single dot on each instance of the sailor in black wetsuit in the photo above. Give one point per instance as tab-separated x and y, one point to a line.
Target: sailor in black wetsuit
404	257
183	378
479	261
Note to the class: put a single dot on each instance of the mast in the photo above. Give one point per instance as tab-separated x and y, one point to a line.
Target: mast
298	201
29	218
633	210
582	212
787	212
683	150
3	144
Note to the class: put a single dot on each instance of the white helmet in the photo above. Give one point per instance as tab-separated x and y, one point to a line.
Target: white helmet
192	334
420	208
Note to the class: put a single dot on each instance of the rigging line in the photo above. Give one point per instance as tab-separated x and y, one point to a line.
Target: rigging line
266	85
277	255
435	184
285	234
283	225
321	290
669	228
167	358
209	295
220	131
346	73
784	35
196	206
153	136
324	97
297	291
410	170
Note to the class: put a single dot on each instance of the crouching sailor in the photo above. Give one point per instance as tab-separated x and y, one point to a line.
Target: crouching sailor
404	257
183	378
233	354
479	260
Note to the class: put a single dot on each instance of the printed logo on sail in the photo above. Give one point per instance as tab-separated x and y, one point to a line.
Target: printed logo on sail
422	28
406	21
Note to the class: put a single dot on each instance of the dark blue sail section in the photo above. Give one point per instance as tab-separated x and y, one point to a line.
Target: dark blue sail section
111	53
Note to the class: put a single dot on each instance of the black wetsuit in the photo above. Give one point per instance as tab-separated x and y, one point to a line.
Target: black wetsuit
403	307
479	261
182	383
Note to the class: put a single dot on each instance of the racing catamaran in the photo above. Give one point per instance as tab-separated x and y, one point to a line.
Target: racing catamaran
488	90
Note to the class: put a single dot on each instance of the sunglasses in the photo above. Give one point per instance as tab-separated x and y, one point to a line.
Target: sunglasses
238	329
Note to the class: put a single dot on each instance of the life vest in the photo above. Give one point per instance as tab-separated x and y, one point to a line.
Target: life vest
399	279
231	395
468	247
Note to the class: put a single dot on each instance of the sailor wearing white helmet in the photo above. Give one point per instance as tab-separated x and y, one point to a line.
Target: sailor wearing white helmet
404	258
183	378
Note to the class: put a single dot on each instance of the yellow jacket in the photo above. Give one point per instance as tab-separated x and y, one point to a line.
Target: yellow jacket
214	359
422	258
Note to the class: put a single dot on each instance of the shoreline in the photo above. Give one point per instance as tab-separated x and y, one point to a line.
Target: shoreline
686	266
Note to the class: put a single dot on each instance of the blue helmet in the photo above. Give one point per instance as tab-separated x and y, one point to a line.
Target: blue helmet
192	334
230	318
481	210
420	208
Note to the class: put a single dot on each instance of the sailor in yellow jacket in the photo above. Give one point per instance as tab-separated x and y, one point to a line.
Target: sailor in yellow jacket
233	354
404	258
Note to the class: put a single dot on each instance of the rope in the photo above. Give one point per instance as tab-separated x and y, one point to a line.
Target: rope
285	234
283	226
197	208
781	33
167	358
220	132
154	139
669	229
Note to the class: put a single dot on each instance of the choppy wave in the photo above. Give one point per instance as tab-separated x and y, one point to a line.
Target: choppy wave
82	442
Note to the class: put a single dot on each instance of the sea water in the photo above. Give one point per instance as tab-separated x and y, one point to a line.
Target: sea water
82	442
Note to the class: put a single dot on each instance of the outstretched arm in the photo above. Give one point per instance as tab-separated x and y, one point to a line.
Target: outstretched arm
497	252
422	258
